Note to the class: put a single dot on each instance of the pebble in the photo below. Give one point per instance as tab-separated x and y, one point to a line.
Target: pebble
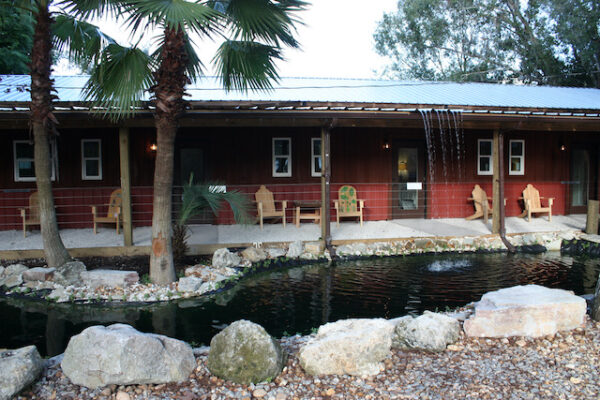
280	396
259	393
122	396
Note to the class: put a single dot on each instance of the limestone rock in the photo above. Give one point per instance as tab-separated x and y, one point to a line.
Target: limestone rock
38	274
1	271
224	258
209	274
429	332
275	252
189	284
69	273
295	249
315	248
59	294
13	275
352	346
530	310
18	369
109	278
254	255
245	353
120	355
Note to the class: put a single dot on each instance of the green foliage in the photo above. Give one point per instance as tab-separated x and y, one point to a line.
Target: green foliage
543	41
16	39
146	279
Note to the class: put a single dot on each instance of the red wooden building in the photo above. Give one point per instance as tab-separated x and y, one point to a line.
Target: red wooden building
412	149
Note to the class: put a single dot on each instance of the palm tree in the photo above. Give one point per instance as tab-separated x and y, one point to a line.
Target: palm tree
245	61
83	43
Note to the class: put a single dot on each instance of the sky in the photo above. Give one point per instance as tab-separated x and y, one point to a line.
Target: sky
336	41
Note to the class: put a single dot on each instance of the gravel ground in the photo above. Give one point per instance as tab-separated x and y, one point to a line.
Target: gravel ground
563	366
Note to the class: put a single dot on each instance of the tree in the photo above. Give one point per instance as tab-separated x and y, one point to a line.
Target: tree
16	32
539	41
245	61
87	42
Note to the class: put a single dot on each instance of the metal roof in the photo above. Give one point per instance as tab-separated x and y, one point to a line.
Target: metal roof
14	89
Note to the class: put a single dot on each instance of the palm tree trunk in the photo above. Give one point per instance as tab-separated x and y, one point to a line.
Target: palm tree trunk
42	122
168	96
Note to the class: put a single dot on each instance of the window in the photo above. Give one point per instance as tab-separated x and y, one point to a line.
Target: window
315	157
484	157
282	157
91	159
23	161
517	157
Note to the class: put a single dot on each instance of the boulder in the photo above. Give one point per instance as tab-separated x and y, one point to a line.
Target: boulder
189	284
18	369
245	353
224	258
120	355
429	332
352	346
69	273
109	278
315	248
275	252
254	255
295	249
13	275
1	271
38	274
530	310
208	274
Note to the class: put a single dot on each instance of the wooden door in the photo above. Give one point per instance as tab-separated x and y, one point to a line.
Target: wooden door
583	179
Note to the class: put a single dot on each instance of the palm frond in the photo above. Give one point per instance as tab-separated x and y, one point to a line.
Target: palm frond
178	14
117	84
89	9
246	65
265	20
80	41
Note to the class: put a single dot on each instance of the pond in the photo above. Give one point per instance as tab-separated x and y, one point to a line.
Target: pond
297	299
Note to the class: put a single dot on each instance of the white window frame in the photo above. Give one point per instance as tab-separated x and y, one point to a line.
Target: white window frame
314	156
53	161
84	175
289	157
522	157
479	156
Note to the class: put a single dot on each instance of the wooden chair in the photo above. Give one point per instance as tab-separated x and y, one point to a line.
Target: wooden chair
113	215
480	201
31	214
266	206
533	204
348	205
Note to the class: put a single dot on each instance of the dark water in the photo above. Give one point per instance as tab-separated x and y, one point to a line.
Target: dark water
298	299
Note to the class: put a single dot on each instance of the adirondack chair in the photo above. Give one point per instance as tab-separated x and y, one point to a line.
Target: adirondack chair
266	206
348	205
113	215
31	214
480	201
533	204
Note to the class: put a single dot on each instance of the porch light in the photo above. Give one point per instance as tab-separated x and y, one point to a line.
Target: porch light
563	147
153	147
386	144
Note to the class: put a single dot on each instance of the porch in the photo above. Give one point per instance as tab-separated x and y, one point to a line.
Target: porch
205	238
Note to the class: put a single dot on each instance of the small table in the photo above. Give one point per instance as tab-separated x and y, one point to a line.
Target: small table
307	209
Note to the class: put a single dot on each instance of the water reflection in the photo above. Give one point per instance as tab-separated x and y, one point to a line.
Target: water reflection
297	299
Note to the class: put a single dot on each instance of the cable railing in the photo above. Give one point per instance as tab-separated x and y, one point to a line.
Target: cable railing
382	201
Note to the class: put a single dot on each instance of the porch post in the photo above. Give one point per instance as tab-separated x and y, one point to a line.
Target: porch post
125	186
325	186
496	199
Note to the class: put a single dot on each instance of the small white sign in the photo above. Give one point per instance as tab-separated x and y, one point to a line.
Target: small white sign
414	186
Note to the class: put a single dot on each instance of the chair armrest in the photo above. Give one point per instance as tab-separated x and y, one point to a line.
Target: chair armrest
361	204
336	204
283	204
550	201
23	211
259	204
118	213
94	209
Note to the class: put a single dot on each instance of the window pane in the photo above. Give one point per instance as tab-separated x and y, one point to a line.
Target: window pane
92	168
91	149
26	169
24	150
317	147
515	164
282	147
485	148
484	164
281	165
516	148
317	164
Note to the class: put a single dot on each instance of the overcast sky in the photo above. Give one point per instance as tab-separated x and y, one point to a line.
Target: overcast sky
336	40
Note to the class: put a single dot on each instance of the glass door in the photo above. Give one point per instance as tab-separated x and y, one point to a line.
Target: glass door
408	194
580	180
